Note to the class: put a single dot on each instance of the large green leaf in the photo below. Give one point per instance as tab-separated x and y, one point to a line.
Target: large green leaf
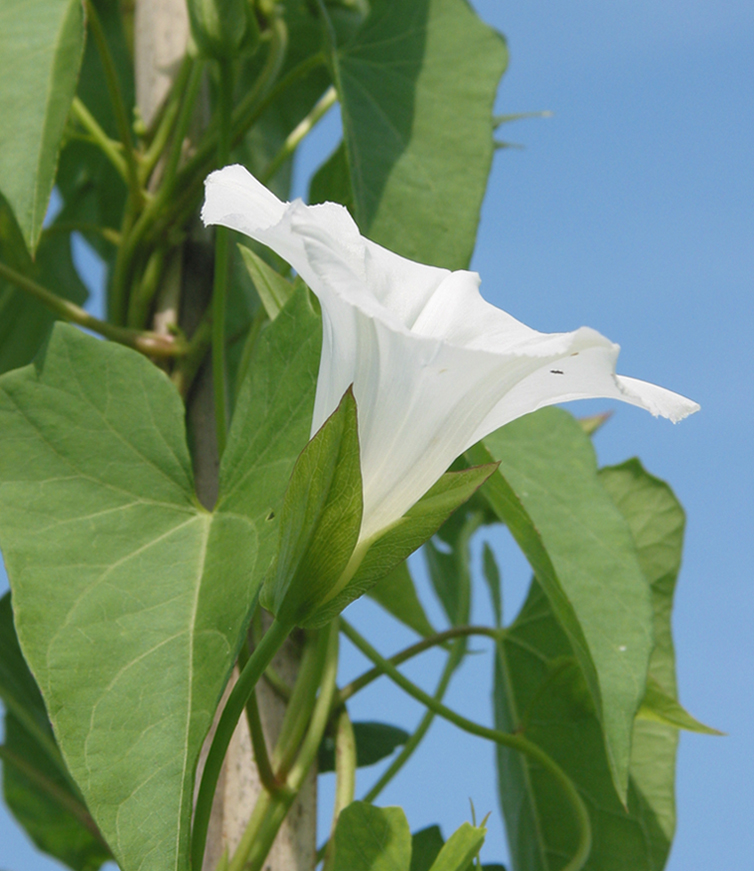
657	522
130	599
660	707
24	321
581	549
332	181
41	44
417	85
369	838
273	290
36	784
430	853
540	689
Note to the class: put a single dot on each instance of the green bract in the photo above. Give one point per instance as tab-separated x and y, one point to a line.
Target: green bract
320	519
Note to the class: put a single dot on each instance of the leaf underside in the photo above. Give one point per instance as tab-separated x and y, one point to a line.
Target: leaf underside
538	683
580	546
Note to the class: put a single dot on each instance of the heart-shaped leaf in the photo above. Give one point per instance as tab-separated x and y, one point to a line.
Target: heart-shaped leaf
130	599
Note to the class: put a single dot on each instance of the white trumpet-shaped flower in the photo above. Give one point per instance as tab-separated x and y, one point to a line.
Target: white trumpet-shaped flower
434	367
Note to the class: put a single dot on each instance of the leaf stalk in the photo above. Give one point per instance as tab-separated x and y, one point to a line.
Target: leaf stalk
110	148
148	343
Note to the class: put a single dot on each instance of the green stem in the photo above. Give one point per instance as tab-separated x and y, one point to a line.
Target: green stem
193	173
247	110
258	741
345	778
109	147
220	287
117	296
133	233
116	99
141	298
181	131
296	136
506	739
277	684
345	763
259	816
299	705
433	641
321	713
270	809
452	662
196	350
259	745
234	707
151	344
167	120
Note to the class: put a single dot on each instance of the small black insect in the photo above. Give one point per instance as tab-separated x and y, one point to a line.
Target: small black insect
271	515
556	371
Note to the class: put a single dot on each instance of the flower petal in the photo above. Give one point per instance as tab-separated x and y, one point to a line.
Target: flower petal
367	273
434	367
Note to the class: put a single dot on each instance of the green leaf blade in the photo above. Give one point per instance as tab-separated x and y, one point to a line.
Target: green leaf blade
24	321
425	848
41	46
657	522
537	689
582	551
115	570
660	707
273	289
416	85
369	838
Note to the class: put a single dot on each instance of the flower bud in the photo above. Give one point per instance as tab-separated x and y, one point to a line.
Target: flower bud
219	26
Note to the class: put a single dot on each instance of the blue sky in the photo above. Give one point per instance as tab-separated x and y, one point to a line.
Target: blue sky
630	210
